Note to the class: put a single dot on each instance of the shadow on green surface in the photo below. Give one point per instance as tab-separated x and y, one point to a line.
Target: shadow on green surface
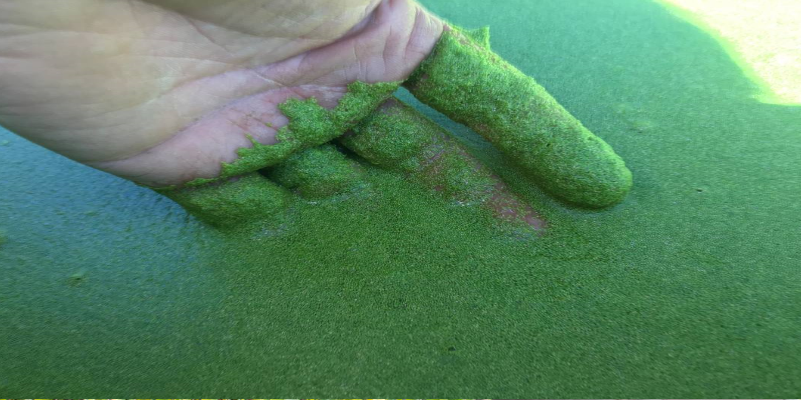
688	289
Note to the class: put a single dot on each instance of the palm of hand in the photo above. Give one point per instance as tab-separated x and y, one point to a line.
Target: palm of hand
162	92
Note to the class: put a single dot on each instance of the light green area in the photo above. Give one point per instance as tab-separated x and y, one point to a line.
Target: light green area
466	81
763	92
763	37
687	289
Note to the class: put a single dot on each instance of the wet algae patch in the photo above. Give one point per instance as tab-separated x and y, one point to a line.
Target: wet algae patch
674	293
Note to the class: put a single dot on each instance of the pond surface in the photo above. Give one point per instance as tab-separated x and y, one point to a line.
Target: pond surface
690	288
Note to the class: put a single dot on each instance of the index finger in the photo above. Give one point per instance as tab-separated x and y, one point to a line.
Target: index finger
465	80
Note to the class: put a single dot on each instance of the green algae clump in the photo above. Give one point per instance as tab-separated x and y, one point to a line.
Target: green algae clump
239	196
309	125
318	172
465	80
236	202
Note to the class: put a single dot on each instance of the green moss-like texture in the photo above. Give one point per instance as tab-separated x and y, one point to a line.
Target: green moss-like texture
400	138
318	172
237	202
466	81
688	289
309	125
226	203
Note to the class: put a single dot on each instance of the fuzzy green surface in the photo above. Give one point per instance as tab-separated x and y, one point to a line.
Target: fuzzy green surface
391	137
466	81
310	125
238	202
400	138
318	172
688	289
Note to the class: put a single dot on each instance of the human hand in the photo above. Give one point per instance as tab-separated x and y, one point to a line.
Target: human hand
241	97
162	92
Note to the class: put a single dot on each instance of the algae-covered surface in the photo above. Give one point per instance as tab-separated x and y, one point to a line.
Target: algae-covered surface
689	288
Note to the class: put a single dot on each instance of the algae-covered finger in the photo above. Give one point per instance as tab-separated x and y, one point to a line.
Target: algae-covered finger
309	125
398	137
235	202
318	172
466	81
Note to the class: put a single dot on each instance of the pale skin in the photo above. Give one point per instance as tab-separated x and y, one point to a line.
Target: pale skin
163	91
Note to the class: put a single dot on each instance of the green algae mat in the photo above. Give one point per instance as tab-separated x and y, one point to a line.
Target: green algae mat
690	288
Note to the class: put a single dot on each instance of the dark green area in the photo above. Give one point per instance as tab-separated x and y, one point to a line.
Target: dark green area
688	289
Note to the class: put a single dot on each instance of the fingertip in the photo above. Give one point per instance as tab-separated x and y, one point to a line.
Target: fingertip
317	173
591	177
607	193
232	203
474	86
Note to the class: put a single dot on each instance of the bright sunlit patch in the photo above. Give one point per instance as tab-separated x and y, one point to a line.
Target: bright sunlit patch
762	36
